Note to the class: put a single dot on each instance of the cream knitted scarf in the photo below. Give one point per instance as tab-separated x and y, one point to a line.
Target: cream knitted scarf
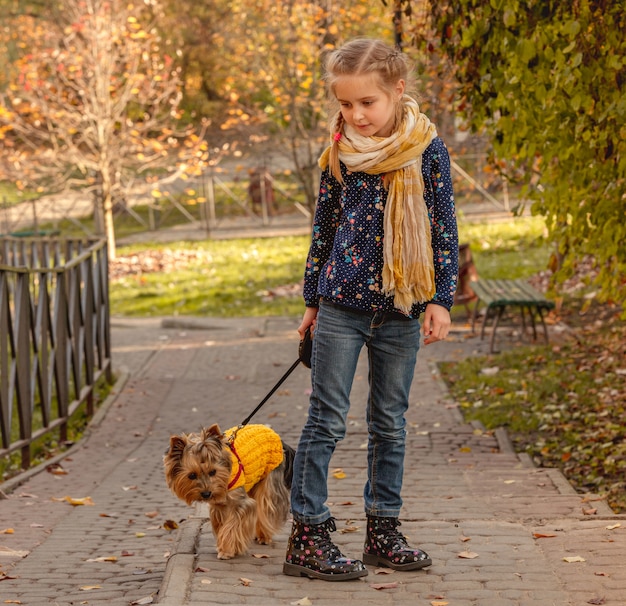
408	270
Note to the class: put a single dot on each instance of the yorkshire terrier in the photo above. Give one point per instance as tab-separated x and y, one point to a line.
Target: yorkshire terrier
244	474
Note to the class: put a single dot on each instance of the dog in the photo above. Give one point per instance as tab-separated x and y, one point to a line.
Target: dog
244	474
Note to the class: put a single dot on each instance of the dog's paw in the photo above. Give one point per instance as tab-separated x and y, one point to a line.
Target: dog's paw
223	555
263	540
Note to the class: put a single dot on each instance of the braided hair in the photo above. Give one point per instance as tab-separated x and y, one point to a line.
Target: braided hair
361	57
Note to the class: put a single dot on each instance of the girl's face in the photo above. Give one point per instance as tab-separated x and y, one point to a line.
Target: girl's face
365	106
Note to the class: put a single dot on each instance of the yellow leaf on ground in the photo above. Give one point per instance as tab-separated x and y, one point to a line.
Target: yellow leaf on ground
572	559
7	531
468	555
75	502
339	474
103	559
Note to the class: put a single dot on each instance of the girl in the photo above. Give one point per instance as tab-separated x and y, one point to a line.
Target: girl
384	250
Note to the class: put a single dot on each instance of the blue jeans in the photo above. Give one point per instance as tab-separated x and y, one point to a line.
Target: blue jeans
392	343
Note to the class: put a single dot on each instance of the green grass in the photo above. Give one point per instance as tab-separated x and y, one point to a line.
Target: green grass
511	249
231	278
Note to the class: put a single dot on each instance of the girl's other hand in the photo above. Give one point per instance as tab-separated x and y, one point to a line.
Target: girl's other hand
436	324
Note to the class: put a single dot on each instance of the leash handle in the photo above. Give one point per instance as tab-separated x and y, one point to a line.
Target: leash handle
271	393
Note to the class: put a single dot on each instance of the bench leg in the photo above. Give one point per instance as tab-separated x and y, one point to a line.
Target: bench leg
492	341
488	312
543	323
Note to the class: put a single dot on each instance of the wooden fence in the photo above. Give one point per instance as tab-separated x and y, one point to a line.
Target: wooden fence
55	340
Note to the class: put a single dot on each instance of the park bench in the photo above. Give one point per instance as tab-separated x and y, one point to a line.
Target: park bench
498	295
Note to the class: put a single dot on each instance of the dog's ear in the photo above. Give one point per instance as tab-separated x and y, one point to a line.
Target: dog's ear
211	432
177	447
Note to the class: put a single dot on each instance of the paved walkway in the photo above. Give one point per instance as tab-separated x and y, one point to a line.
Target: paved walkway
498	529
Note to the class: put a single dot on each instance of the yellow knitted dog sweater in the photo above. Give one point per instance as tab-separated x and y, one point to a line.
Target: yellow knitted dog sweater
256	451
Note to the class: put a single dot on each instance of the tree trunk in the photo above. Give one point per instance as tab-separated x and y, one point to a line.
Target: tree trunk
109	228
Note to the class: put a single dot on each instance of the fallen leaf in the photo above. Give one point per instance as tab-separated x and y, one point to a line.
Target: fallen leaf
597	601
108	515
384	585
349	529
140	535
613	526
127	488
246	582
127	554
7	531
464	539
13	602
170	525
345	503
339	474
12	553
601	574
103	559
142	601
468	555
90	587
509	481
36	525
439	603
75	502
151	514
260	556
206	581
572	559
490	371
201	569
56	469
590	512
384	571
303	602
541	535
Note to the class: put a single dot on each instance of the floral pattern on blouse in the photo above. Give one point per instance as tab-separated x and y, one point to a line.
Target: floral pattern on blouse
345	258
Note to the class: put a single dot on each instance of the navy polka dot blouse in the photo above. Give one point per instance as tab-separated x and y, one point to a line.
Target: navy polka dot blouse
345	260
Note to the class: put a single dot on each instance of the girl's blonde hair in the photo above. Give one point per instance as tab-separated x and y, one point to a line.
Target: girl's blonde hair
358	57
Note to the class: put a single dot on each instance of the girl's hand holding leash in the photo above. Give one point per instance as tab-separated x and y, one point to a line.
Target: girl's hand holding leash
436	323
308	319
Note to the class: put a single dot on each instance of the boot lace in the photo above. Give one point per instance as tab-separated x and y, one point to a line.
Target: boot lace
325	545
394	535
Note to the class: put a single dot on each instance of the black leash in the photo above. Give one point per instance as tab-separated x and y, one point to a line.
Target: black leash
271	393
304	357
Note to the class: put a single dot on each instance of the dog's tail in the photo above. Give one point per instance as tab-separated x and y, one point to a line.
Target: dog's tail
288	455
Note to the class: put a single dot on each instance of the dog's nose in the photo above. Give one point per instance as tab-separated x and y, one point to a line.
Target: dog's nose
206	495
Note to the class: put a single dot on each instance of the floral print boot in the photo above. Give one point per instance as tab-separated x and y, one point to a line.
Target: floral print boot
386	546
311	553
